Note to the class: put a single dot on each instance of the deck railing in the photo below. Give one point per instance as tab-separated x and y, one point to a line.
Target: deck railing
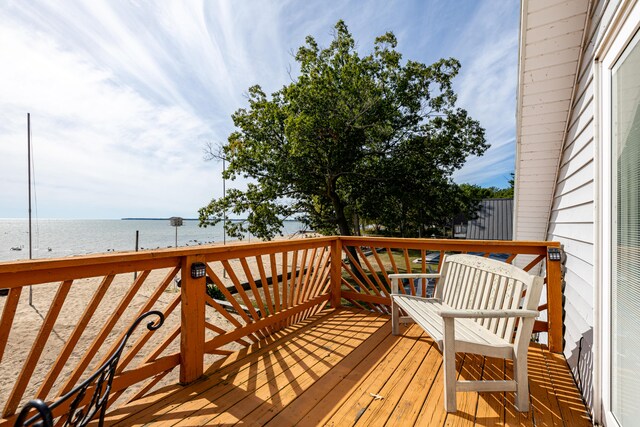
83	305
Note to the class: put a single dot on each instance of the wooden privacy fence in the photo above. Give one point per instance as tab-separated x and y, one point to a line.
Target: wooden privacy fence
83	305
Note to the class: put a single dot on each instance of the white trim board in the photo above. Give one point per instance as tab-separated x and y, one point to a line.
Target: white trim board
624	27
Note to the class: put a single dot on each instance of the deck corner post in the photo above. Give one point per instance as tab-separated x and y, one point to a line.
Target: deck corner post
336	272
554	301
192	317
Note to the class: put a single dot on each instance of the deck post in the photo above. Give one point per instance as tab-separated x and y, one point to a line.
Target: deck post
192	327
336	272
554	304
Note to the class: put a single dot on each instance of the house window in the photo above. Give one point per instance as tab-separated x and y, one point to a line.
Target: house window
625	234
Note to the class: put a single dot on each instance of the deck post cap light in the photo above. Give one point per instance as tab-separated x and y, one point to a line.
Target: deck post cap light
198	270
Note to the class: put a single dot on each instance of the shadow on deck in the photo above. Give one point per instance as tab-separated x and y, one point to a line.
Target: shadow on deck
345	368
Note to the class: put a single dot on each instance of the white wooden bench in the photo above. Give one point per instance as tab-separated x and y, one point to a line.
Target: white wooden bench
480	306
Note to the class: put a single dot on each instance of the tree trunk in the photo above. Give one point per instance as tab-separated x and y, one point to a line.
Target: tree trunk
356	225
345	230
338	205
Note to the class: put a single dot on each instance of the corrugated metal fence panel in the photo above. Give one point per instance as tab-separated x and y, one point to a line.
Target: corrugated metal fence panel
494	221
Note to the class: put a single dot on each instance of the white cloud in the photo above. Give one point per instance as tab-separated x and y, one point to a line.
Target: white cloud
487	89
124	95
92	136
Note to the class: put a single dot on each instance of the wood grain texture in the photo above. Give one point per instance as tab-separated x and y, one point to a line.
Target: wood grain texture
192	292
329	372
555	308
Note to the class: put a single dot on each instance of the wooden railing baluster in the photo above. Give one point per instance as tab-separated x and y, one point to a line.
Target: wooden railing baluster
157	351
99	339
290	286
301	276
336	273
285	286
295	271
314	284
275	282
318	271
376	279
146	307
407	261
311	269
8	313
265	283
387	282
302	283
371	288
236	283
36	349
71	342
393	261
252	284
535	262
222	288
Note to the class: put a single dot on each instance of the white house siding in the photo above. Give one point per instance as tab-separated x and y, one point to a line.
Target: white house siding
550	44
572	218
551	41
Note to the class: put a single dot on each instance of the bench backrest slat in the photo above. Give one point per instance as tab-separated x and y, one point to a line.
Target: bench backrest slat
472	282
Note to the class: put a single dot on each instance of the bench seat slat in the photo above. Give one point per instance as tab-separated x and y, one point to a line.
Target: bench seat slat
425	313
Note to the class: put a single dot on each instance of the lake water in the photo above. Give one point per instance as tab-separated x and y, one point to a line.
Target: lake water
66	237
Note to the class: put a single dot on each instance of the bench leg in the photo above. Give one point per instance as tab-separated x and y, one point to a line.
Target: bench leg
449	366
395	318
522	385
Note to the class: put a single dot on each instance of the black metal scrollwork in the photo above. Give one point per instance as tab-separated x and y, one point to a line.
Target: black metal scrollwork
78	414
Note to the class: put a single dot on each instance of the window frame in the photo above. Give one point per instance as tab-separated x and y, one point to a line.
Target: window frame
620	37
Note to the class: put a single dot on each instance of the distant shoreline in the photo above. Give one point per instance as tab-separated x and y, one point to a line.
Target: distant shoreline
156	219
191	219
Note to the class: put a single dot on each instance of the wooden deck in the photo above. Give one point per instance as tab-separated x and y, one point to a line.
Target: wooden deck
345	368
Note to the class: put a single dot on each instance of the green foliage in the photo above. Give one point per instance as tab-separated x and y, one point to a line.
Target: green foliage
478	193
353	136
214	292
505	193
502	193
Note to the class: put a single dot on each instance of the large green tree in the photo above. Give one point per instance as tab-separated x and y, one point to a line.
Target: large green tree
343	138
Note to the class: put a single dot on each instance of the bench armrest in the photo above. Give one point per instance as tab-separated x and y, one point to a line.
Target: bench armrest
414	276
484	314
394	283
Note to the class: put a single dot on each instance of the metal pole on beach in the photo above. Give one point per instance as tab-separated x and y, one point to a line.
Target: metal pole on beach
176	221
29	175
135	273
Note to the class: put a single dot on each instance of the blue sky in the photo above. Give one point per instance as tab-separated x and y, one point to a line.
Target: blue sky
124	95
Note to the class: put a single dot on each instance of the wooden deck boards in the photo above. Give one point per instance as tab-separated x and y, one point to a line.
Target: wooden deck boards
345	368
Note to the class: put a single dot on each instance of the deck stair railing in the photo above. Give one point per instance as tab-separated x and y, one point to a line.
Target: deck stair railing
250	291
